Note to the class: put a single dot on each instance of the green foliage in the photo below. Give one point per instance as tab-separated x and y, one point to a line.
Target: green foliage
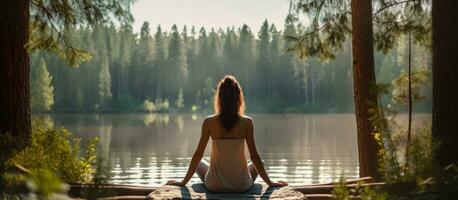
45	184
52	21
392	137
148	106
179	103
176	65
7	149
53	149
162	105
405	176
342	192
142	66
205	95
420	78
39	184
330	25
100	176
42	91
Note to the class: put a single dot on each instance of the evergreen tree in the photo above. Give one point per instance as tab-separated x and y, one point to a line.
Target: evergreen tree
177	70
190	89
160	61
292	80
104	84
214	65
230	53
41	88
124	73
200	71
142	67
275	53
246	58
263	63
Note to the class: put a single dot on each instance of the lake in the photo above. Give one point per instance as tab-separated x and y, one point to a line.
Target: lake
150	149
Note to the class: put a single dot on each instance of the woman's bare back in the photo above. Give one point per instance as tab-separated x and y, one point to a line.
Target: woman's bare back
217	131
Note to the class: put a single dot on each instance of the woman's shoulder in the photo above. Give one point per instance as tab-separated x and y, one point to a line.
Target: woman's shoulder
214	117
246	118
210	118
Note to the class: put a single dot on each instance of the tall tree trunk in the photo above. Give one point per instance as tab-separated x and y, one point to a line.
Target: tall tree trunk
364	85
14	69
445	80
409	125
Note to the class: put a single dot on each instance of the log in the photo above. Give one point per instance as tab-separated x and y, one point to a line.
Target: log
327	189
319	196
123	197
77	190
325	197
350	181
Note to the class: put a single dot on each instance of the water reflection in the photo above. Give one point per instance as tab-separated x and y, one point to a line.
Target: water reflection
153	148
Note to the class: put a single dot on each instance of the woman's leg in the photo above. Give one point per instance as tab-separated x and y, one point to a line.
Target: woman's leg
253	172
202	169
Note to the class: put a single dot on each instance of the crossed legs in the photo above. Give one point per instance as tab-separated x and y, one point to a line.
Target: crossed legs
202	169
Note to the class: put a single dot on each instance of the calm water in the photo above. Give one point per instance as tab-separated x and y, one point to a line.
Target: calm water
153	148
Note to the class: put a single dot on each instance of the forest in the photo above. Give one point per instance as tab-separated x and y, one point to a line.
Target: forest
177	70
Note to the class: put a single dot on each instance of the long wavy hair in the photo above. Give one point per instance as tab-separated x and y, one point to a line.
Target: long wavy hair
229	103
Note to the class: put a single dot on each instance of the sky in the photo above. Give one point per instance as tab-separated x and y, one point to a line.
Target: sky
209	13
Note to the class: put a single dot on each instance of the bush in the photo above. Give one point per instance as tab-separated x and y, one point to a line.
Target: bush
46	185
162	105
52	149
148	106
341	192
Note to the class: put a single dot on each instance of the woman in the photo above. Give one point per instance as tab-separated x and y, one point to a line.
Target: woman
229	129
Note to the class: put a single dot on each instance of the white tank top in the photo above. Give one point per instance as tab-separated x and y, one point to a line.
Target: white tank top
228	170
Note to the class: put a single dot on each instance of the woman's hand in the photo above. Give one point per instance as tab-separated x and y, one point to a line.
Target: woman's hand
176	183
278	184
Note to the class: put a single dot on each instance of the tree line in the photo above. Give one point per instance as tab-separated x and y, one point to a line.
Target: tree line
178	70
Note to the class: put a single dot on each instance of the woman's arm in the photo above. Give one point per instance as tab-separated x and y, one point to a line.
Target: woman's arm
197	155
256	159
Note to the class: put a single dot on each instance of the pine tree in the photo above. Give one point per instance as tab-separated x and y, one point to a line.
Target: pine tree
230	53
214	65
291	74
275	53
159	62
177	69
125	59
142	67
190	89
263	62
104	84
42	90
246	59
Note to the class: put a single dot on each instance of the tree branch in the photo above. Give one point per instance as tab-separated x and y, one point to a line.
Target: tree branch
391	5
